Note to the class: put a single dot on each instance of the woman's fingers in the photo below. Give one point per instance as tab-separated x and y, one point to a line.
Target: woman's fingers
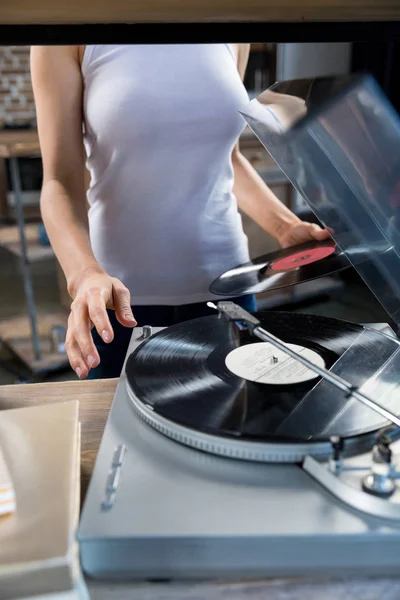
99	317
82	333
303	232
73	352
122	304
90	307
76	360
318	233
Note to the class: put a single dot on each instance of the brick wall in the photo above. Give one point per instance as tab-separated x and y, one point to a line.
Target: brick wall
16	97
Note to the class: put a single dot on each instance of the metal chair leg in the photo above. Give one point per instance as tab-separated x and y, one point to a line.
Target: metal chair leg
26	271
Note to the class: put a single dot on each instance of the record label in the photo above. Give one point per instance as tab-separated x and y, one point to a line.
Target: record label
264	363
300	259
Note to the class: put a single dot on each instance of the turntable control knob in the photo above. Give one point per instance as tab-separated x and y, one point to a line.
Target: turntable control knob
146	331
379	482
382	454
337	446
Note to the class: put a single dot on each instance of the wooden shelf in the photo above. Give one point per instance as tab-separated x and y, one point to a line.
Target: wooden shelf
9	239
258	48
195	11
18	142
15	333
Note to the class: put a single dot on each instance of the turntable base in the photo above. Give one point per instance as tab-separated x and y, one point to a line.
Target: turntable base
178	513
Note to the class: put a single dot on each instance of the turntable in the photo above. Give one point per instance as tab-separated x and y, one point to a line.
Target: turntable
268	444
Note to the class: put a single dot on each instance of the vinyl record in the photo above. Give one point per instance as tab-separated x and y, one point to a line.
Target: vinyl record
181	375
282	268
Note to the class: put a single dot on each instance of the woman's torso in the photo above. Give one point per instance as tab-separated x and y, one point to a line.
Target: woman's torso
160	126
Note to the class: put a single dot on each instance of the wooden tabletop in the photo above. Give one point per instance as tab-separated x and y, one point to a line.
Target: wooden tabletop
194	11
19	142
25	142
95	398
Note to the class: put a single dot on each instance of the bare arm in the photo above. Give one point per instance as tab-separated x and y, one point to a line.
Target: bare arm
58	91
259	202
57	85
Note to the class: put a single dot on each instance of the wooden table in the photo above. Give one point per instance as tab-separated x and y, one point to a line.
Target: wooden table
14	145
35	350
95	398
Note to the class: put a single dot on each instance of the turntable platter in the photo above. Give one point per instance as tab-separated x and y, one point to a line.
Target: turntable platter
181	376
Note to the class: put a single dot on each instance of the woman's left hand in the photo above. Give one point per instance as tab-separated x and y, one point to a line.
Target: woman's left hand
301	232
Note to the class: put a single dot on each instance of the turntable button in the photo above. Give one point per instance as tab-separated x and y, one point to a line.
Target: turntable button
119	455
109	501
114	480
146	331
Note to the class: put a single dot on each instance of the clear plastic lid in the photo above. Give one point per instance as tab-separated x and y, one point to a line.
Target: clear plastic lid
338	142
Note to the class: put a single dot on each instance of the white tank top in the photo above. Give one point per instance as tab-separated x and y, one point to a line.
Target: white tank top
160	123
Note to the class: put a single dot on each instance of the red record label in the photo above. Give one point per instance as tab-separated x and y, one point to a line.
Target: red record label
299	259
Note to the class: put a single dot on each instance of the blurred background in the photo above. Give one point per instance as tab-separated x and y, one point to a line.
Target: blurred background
45	306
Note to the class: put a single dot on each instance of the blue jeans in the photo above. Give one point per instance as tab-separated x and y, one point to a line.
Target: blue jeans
112	355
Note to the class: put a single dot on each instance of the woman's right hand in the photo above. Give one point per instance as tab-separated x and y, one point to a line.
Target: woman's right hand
92	294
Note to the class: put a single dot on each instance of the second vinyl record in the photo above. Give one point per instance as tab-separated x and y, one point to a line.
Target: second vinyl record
282	268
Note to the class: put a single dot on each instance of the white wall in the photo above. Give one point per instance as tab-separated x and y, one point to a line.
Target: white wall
295	61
